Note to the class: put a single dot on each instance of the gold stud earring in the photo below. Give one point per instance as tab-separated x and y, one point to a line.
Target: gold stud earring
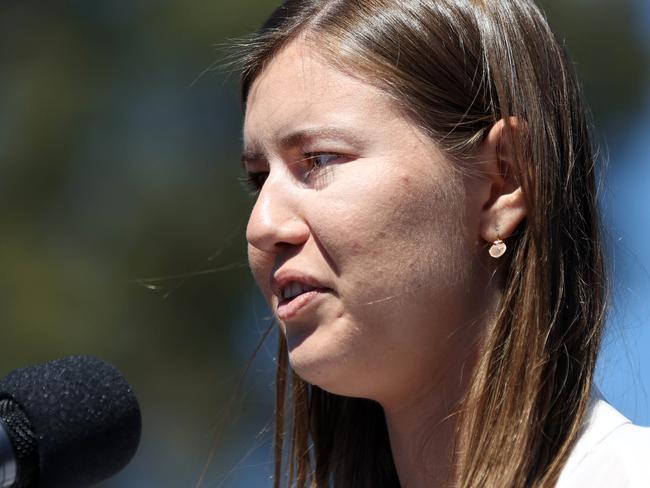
498	248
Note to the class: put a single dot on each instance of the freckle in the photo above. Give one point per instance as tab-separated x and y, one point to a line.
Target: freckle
356	246
405	179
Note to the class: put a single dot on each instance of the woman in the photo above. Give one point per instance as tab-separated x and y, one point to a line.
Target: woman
426	232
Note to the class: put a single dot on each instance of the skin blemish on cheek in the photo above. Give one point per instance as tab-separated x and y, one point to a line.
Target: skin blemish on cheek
405	180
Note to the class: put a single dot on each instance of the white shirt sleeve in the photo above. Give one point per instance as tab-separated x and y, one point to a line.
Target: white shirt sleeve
610	453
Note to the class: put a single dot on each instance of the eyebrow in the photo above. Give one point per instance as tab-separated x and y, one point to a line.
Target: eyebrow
251	156
300	137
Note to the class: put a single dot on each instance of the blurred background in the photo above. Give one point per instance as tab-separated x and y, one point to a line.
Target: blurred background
123	219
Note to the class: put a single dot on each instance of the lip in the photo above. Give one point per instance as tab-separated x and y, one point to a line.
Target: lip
290	307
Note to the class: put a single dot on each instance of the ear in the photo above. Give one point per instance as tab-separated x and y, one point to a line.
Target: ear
505	208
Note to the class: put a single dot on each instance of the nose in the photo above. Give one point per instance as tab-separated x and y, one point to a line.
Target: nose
275	221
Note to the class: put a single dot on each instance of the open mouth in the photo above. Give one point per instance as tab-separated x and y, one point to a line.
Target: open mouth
296	297
295	289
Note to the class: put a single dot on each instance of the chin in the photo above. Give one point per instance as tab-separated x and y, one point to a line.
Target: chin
331	372
311	362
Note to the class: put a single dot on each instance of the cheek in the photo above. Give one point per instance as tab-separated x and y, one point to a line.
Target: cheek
400	222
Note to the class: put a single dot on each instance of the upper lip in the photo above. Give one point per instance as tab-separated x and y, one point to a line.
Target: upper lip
284	277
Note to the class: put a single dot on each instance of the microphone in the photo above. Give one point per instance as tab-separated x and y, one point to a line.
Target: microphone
68	423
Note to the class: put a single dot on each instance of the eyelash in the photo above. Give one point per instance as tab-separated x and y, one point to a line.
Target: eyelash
254	181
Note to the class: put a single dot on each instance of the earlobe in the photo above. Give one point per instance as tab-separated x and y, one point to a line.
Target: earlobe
506	207
503	216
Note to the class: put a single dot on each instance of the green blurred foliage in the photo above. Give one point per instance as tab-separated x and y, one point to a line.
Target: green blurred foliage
123	222
120	165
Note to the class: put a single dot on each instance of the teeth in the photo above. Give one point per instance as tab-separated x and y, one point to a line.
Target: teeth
294	289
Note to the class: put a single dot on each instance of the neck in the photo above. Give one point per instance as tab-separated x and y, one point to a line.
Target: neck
422	439
423	430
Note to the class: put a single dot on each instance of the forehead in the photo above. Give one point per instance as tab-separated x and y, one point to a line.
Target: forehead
299	89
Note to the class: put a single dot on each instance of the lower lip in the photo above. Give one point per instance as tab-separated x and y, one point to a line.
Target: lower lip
289	308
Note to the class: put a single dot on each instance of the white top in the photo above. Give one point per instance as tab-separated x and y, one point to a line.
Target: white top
610	453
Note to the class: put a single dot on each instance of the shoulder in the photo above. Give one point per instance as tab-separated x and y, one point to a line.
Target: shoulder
611	451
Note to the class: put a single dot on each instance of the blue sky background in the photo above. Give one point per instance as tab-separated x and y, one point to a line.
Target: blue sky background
624	368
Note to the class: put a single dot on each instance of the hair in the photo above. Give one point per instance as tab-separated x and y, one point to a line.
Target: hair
456	67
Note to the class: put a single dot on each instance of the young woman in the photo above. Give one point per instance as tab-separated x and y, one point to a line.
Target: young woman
426	232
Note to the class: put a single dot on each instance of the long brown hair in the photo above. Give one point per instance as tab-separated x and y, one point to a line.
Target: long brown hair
456	67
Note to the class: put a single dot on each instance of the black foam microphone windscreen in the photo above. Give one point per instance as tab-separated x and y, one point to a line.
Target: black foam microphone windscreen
73	422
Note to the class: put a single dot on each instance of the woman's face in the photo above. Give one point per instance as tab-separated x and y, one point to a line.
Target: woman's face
362	238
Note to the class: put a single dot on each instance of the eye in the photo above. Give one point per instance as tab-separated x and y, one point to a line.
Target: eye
312	163
316	161
254	181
